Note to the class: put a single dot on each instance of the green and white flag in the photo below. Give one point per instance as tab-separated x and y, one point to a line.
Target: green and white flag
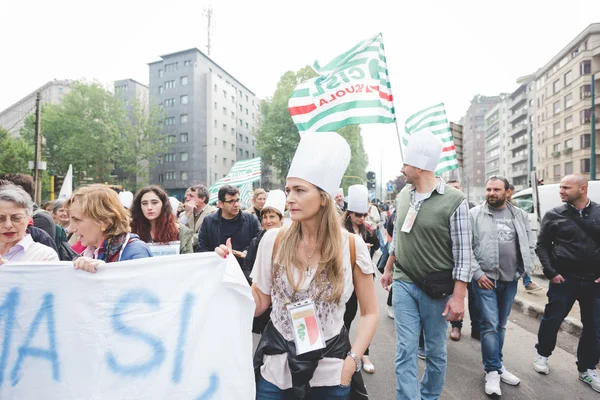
352	89
241	173
434	120
246	195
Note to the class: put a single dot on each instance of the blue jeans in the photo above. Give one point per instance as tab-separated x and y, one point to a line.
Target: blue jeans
473	312
265	390
494	305
414	310
561	298
526	279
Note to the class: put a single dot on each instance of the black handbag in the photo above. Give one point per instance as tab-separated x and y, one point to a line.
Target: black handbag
436	285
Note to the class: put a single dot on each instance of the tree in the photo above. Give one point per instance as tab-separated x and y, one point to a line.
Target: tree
277	136
15	154
91	130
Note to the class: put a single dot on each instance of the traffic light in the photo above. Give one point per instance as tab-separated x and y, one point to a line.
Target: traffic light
371	180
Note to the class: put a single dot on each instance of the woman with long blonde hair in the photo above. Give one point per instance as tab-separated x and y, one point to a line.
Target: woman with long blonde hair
307	272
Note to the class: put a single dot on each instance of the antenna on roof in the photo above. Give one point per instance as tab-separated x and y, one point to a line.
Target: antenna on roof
208	14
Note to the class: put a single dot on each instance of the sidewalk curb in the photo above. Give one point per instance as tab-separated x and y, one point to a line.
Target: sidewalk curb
569	325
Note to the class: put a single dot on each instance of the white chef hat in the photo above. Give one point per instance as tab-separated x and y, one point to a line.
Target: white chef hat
174	204
126	199
423	151
358	199
276	200
321	159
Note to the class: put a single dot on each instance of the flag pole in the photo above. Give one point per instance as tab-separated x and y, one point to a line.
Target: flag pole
399	140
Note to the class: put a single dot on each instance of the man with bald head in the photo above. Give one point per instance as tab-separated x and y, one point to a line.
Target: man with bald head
569	249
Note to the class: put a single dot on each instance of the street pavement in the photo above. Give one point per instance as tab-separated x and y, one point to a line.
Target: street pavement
465	376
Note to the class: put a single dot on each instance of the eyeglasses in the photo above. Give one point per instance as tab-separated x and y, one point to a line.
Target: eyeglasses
361	215
15	218
232	201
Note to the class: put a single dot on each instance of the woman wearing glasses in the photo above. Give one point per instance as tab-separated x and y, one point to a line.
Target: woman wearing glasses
354	222
16	208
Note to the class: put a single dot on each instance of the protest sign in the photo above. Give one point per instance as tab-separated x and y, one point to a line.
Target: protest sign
164	249
173	327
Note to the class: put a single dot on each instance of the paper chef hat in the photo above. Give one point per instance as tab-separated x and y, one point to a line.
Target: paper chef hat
321	159
423	151
276	200
126	199
174	204
358	199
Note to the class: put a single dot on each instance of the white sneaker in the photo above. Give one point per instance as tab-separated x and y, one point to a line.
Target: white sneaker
390	311
591	378
509	378
492	383
541	364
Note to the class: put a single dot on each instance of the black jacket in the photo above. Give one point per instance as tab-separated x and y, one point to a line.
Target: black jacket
564	248
43	220
40	236
209	236
251	256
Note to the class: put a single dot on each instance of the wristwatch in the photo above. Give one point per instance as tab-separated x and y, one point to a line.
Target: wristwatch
356	360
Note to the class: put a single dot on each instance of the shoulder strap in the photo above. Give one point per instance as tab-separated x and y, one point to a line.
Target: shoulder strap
352	245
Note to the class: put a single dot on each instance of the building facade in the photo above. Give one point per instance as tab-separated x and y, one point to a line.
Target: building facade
474	146
496	127
562	130
13	118
209	120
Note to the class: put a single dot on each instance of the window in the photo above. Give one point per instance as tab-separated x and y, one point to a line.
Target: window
232	131
216	106
556	148
183	156
169	84
240	107
246	111
585	67
240	137
585	91
556	128
246	98
215	176
160	73
215	159
183	80
184	175
586	116
224	161
232	162
161	90
557	170
161	177
555	86
171	139
568	168
224	127
568	100
585	165
183	99
568	78
556	107
183	137
225	93
253	143
252	102
232	115
232	147
241	123
247	156
247	125
252	155
169	121
187	63
585	141
171	67
224	145
247	140
569	144
224	110
169	103
170	157
216	123
184	118
568	123
216	88
240	94
216	140
160	160
241	152
233	99
170	176
118	88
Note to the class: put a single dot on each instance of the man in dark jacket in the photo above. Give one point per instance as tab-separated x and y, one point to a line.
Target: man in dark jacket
228	223
569	249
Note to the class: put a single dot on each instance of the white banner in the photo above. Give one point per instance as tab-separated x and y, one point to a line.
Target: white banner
174	327
167	249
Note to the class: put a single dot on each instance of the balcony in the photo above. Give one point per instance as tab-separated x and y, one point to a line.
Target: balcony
518	158
517	116
519	171
518	128
519	100
519	143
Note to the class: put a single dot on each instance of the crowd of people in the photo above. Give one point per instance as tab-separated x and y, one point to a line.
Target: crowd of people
309	251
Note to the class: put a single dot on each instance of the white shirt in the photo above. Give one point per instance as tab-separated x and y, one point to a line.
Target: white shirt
28	250
275	368
183	219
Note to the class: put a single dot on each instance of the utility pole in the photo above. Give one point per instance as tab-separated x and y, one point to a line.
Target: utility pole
38	152
208	14
593	135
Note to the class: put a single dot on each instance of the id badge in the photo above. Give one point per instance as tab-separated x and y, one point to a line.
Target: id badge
409	221
306	327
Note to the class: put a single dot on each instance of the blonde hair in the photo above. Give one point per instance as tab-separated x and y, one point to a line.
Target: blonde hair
329	237
102	204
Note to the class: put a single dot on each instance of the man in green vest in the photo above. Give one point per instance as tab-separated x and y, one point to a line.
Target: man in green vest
431	236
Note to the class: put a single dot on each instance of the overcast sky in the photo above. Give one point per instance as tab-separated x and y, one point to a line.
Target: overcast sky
436	50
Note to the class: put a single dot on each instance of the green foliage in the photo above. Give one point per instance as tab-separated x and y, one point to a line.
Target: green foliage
91	130
277	137
15	153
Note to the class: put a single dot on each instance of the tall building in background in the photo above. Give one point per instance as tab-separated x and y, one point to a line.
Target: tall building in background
457	135
134	94
563	113
517	152
13	118
209	120
474	146
496	127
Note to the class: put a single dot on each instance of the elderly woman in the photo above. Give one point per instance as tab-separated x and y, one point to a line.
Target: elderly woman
102	223
16	208
60	214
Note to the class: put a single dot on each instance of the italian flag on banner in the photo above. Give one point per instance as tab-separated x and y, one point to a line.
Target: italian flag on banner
241	173
434	120
352	89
